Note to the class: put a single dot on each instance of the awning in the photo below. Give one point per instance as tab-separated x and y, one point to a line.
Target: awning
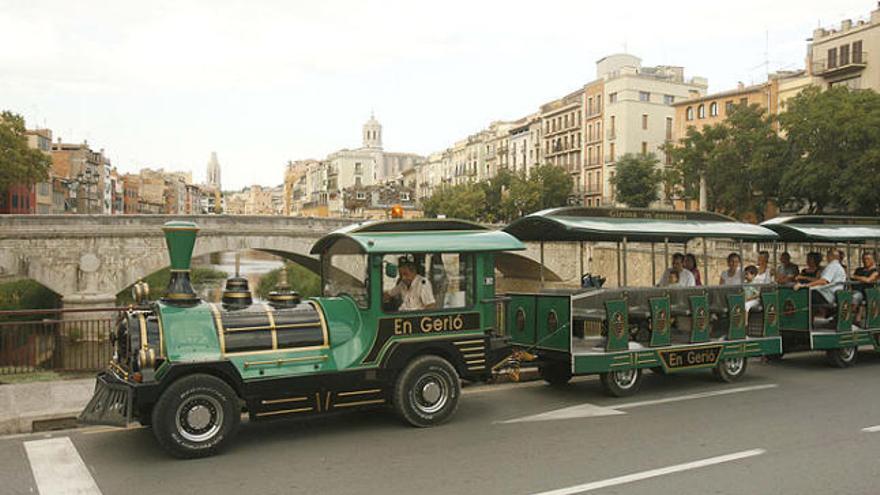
816	228
635	225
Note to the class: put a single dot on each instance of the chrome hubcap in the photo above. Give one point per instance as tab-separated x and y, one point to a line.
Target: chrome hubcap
734	365
431	393
625	378
848	353
199	418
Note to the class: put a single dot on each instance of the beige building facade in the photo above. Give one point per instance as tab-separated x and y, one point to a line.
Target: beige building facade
843	56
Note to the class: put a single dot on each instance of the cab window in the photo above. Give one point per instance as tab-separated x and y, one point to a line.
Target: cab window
429	281
344	271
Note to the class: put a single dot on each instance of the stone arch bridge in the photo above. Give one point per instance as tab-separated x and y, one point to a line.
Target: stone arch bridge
88	259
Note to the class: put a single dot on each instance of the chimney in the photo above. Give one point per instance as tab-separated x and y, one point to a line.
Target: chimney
180	238
846	25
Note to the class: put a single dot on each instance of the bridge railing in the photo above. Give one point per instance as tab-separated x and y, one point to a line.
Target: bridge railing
56	339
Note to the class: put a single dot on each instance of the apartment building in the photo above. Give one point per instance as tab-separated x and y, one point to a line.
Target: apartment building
713	108
525	144
638	114
841	57
594	141
562	124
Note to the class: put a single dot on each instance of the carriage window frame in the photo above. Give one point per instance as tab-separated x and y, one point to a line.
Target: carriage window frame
470	281
347	249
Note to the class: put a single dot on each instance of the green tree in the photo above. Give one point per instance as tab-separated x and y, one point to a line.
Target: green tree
742	160
464	201
834	139
637	180
302	280
496	191
19	164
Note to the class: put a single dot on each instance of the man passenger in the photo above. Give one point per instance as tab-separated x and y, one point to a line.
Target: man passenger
685	277
830	281
865	276
733	274
787	271
414	290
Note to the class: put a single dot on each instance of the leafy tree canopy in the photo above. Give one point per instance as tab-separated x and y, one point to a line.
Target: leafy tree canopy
637	179
19	164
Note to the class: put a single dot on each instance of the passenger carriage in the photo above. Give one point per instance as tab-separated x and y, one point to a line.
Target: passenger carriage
829	327
619	332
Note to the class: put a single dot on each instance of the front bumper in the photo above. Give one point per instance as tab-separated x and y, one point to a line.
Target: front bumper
112	403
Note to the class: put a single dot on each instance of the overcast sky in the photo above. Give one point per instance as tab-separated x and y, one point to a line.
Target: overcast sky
162	84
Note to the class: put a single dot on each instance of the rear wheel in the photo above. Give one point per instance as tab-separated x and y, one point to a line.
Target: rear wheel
621	383
196	416
843	357
427	391
556	374
730	369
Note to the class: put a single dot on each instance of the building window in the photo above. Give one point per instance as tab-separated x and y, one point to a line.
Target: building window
644	96
832	58
644	147
590	106
713	109
668	99
857	52
599	96
744	102
668	127
404	196
611	152
644	121
612	98
728	107
844	54
590	132
701	112
613	127
361	195
689	113
598	130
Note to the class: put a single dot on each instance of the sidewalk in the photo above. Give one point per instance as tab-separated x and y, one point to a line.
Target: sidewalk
23	404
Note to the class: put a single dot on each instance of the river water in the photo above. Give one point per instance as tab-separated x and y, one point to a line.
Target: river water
253	266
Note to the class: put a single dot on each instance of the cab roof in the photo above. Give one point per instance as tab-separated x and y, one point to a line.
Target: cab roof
633	224
825	228
420	236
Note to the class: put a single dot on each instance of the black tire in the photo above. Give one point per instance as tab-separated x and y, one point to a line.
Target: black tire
843	357
621	383
427	391
556	374
730	370
180	411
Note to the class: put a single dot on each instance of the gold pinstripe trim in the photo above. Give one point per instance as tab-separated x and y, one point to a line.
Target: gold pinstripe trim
320	312
285	411
282	401
469	349
218	322
161	336
327	401
280	361
359	392
318	400
359	403
476	361
476	355
466	342
272	325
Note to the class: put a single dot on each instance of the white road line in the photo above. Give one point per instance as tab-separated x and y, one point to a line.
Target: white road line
653	473
699	395
587	410
58	469
871	429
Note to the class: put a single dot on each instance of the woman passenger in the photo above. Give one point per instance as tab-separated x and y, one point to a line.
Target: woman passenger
764	274
813	269
733	274
690	262
865	276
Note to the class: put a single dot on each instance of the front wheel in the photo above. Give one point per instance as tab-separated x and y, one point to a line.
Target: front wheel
621	383
843	357
427	391
196	416
730	369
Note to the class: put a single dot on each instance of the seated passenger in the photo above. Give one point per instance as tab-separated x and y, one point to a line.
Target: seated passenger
788	271
683	277
752	294
813	268
830	281
413	289
733	274
865	276
765	273
690	263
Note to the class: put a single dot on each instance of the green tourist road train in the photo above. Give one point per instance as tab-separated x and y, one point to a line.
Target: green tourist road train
410	308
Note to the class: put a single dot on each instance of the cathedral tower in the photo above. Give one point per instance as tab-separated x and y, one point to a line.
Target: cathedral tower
372	133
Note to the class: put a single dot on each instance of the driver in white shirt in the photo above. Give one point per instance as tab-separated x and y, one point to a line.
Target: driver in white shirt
413	289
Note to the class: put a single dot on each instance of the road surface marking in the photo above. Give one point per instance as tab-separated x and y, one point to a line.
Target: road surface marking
58	468
871	429
699	395
653	473
588	410
572	412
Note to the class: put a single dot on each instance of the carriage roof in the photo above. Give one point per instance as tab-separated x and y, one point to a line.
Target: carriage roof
825	228
420	236
632	224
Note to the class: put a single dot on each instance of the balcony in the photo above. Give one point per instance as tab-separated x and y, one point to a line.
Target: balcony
854	63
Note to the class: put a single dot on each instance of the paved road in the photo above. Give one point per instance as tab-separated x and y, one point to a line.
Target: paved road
792	427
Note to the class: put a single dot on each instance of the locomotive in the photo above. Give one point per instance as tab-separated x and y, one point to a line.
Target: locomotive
189	369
